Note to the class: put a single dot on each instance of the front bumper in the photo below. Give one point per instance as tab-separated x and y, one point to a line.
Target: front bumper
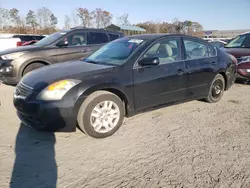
57	116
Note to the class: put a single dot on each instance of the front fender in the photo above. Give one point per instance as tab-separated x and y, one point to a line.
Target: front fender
30	61
84	91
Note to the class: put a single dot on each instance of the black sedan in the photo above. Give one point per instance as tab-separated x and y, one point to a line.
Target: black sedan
120	79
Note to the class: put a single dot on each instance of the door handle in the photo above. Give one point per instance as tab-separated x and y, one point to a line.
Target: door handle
213	62
180	72
86	50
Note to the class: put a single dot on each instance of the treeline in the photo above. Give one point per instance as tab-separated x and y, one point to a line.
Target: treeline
176	26
43	21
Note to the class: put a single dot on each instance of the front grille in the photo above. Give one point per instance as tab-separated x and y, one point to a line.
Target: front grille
23	90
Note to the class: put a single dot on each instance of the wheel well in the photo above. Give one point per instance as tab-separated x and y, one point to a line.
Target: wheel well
225	78
121	95
42	62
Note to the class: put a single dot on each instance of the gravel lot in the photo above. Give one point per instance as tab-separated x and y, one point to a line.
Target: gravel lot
194	144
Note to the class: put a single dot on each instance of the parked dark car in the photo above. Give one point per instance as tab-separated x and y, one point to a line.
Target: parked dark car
240	48
123	77
61	46
218	43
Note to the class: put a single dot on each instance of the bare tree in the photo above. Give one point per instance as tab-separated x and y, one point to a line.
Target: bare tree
106	18
85	16
123	19
31	20
53	21
98	16
15	18
67	22
44	17
4	18
75	18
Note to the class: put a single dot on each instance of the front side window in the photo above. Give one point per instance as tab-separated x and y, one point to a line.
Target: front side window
98	38
116	52
238	42
50	39
76	39
167	50
196	49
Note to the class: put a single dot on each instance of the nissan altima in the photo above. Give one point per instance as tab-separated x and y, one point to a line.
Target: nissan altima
120	79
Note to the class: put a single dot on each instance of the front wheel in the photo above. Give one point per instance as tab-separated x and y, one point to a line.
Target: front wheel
216	90
32	67
101	114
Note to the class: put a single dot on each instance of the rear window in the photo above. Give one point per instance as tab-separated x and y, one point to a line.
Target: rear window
113	36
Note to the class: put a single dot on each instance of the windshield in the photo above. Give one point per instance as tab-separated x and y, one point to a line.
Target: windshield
49	39
116	52
236	42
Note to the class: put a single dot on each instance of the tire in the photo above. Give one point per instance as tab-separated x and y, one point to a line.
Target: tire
216	89
86	114
32	67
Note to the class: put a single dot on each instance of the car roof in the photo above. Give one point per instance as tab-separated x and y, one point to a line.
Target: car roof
93	29
155	36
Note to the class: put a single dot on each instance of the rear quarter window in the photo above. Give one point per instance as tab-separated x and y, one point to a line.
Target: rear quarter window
113	36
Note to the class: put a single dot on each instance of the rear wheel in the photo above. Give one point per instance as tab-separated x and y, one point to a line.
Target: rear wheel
32	67
216	90
101	114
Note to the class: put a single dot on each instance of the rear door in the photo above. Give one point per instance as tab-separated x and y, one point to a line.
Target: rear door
77	47
201	65
161	83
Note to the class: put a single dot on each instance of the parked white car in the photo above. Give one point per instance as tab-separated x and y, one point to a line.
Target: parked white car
15	40
6	43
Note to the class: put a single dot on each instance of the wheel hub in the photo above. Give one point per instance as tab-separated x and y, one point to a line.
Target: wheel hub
105	116
217	88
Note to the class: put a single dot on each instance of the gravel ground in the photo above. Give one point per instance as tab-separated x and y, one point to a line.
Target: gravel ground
194	144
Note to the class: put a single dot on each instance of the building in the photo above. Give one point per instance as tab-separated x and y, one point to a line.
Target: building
223	33
126	29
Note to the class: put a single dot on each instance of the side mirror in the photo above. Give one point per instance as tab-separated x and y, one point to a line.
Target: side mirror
149	61
62	43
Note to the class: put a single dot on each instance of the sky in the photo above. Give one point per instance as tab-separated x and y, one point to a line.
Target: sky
212	14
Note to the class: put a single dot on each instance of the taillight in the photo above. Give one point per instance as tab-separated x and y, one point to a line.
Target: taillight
19	44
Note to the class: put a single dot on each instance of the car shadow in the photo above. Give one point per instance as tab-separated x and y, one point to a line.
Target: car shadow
242	82
35	164
161	106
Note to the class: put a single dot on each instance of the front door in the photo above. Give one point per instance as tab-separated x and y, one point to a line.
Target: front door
163	83
201	66
77	47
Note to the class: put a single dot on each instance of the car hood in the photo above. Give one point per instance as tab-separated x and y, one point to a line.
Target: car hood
19	49
237	52
42	77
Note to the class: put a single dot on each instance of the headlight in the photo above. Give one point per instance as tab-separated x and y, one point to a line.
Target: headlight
57	90
7	69
12	56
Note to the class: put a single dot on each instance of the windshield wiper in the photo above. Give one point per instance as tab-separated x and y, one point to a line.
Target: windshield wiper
90	61
98	62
